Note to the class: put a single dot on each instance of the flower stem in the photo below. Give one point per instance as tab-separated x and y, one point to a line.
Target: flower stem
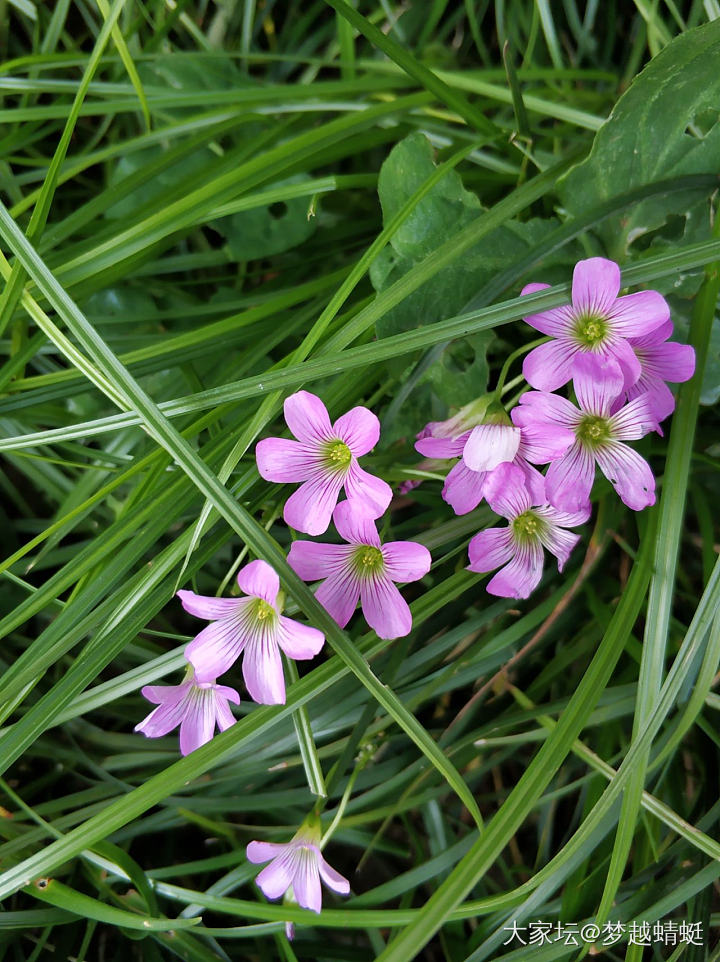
512	358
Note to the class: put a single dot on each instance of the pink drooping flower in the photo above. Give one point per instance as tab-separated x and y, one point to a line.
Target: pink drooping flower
598	322
324	458
362	570
252	627
660	360
298	866
196	706
592	434
481	451
519	546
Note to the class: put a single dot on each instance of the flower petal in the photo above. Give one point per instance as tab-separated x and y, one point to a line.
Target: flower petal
259	852
634	420
597	380
658	397
334	880
259	580
406	560
339	595
217	647
374	492
490	445
297	640
310	508
263	671
162	720
490	548
198	726
277	877
385	609
595	285
628	473
307	417
506	492
165	694
464	489
622	353
442	447
555	322
549	366
521	576
285	461
223	715
543	438
359	429
355	522
559	542
306	881
636	315
569	480
672	362
203	606
313	560
534	481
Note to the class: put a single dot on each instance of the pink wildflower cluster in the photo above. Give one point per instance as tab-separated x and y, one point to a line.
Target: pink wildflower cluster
615	351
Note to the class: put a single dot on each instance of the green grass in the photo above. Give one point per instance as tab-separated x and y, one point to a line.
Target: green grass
206	207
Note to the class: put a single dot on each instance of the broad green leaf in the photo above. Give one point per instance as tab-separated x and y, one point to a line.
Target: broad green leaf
665	125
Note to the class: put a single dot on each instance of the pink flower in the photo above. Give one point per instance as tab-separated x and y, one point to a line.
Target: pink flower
252	626
597	323
660	360
481	451
591	434
324	458
363	569
519	547
196	706
297	865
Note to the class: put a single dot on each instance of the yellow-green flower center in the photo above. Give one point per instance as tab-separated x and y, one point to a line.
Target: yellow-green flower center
263	610
368	560
337	455
590	330
593	430
527	526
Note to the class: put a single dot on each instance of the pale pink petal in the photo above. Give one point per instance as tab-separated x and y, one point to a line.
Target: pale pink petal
165	694
442	448
672	362
203	606
636	315
559	542
223	715
550	407
657	336
162	720
359	429
385	609
334	880
217	647
281	460
259	852
298	640
659	398
310	508
564	519
307	418
595	285
597	381
622	353
521	576
543	439
263	671
355	522
549	366
506	492
490	445
277	877
374	492
306	881
406	560
464	489
534	480
198	725
339	595
628	473
490	548
556	322
634	420
313	560
259	580
569	480
225	693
